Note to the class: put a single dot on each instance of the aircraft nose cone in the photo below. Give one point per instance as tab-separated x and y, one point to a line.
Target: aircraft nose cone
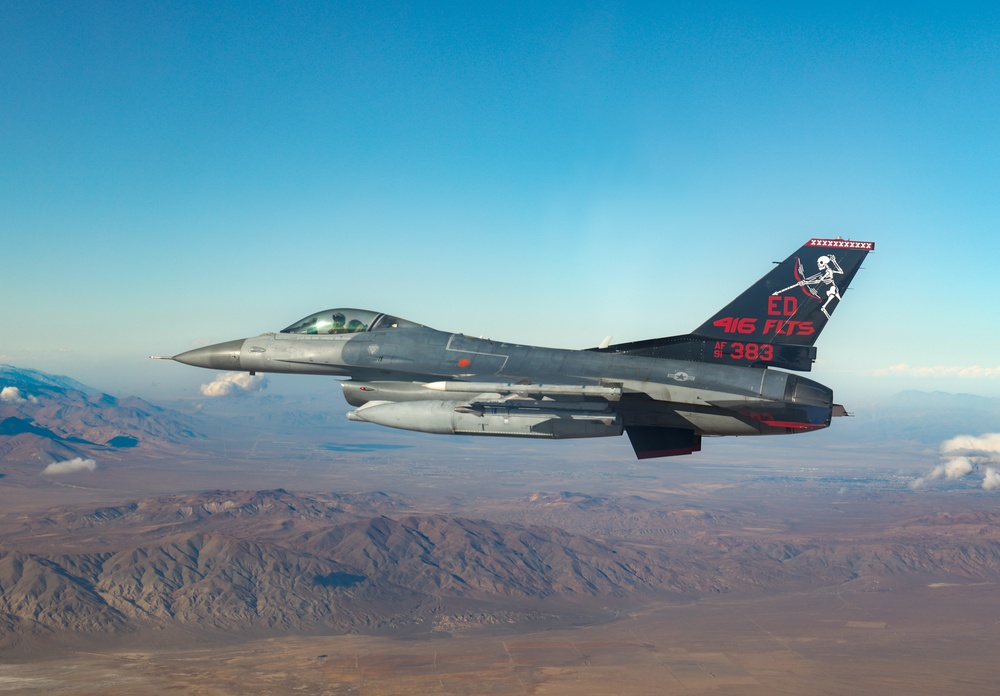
221	356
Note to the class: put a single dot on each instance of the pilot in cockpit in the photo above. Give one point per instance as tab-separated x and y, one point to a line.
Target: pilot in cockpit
339	320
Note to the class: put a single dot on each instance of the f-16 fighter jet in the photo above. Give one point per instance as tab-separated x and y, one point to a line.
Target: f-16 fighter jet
725	378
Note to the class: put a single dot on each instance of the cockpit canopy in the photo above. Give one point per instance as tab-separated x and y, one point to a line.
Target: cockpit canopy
345	321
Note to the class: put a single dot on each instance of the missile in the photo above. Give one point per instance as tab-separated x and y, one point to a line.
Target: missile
607	393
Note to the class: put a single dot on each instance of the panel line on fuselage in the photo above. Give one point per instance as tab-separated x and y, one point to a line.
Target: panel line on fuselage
494	366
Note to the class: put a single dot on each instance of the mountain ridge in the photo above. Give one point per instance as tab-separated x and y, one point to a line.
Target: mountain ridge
50	418
273	562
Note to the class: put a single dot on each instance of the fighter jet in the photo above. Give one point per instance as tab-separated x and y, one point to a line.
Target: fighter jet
725	378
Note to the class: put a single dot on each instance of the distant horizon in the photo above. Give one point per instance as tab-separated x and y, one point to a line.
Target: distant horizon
911	431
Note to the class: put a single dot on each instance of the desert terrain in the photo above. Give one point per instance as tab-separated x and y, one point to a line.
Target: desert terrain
273	551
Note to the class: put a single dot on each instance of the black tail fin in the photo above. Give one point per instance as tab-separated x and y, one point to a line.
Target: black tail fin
776	321
793	302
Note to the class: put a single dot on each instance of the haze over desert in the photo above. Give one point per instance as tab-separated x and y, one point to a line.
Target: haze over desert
568	569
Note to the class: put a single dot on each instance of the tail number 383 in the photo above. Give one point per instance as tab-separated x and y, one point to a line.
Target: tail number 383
744	351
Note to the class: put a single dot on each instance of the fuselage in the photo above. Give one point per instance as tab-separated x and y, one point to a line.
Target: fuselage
711	399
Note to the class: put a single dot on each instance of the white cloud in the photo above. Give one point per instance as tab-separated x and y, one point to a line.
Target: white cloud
991	480
988	444
957	468
961	371
233	384
964	455
935	473
69	466
12	395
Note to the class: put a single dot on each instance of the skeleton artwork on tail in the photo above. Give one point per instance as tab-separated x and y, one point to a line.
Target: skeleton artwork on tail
828	267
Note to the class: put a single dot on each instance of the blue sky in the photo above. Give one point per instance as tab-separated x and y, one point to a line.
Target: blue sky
176	174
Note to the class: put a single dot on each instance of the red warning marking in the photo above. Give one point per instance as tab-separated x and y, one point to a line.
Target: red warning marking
839	243
794	425
464	362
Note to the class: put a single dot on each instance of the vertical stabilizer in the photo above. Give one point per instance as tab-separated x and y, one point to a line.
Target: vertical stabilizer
795	300
776	321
